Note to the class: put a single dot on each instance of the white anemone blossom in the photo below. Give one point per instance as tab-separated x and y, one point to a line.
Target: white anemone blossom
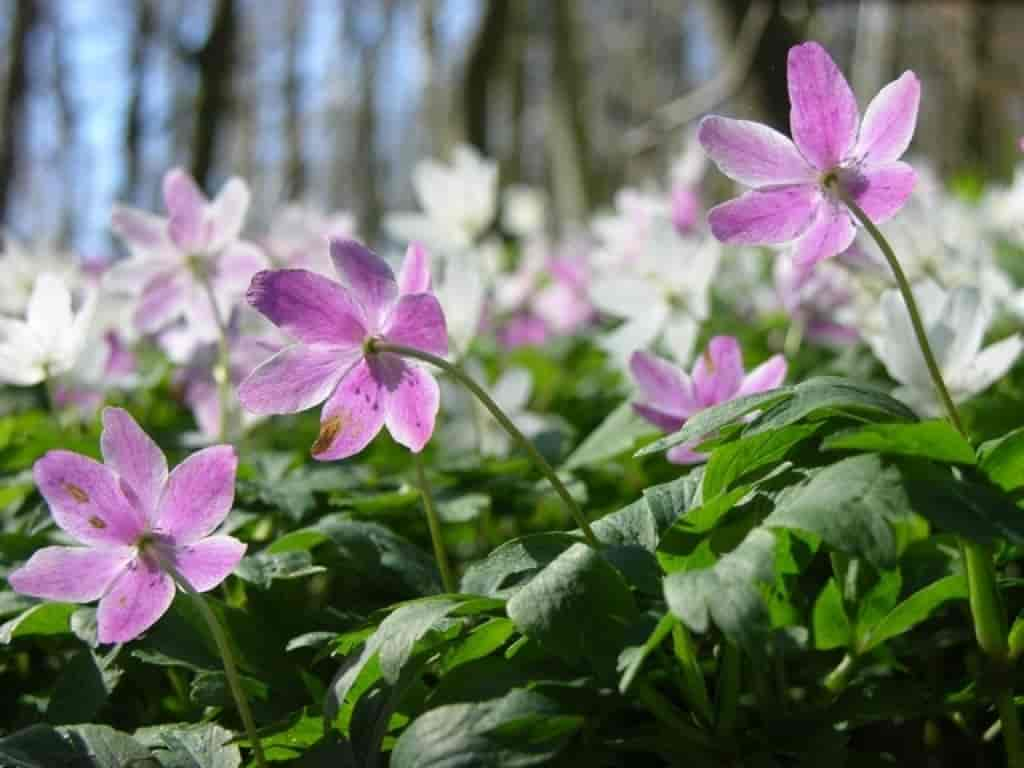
22	264
51	338
955	323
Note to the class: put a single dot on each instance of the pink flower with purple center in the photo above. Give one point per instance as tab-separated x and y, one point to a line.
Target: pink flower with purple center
333	325
798	185
671	396
134	519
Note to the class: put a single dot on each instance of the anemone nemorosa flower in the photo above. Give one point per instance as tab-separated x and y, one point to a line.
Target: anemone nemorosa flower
671	396
133	519
795	196
332	325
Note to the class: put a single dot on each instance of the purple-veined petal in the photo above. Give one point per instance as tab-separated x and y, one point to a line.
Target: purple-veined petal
768	375
889	121
414	277
296	378
823	112
367	276
227	212
70	574
237	264
186	205
139	229
881	190
718	372
765	217
666	388
666	422
417	320
831	232
86	500
753	154
355	413
163	299
134	458
206	563
198	495
685	455
412	407
308	306
138	598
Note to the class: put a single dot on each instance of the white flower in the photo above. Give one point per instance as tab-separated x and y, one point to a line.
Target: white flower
461	288
50	339
523	210
955	323
21	265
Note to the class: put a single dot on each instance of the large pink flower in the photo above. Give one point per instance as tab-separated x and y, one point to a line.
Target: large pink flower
332	324
134	519
795	196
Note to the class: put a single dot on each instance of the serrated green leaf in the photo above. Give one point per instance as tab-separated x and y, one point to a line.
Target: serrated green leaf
734	460
1002	460
514	559
264	568
82	746
936	440
612	437
914	610
82	689
204	745
632	657
42	619
481	641
829	620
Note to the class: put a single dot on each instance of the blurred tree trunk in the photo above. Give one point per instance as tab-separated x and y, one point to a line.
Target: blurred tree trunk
64	160
514	75
295	173
482	66
26	18
145	29
435	111
215	63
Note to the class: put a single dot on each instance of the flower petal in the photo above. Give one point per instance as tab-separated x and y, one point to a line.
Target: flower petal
418	321
412	407
139	597
206	563
163	299
238	263
718	373
366	275
139	229
993	362
765	217
881	190
889	121
198	494
295	379
186	205
227	212
308	306
823	111
355	412
768	375
414	277
86	500
666	422
684	454
71	574
831	232
49	310
665	387
753	154
133	456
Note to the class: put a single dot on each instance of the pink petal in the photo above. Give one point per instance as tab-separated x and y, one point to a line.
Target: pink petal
295	379
86	500
308	306
719	371
412	407
418	321
71	574
823	111
666	388
881	190
684	454
207	563
227	212
768	375
355	412
765	217
186	205
140	596
236	266
890	121
134	457
366	275
138	228
162	300
414	276
753	154
666	422
198	494
831	233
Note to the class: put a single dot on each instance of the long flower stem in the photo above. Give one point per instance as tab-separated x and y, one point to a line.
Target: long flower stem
222	372
434	524
457	373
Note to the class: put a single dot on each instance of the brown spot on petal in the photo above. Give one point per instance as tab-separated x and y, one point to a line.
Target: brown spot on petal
122	601
96	522
76	493
708	361
328	432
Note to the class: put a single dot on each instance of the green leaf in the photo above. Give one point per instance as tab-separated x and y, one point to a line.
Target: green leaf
578	607
829	620
670	501
1002	460
612	437
734	460
206	745
264	568
936	440
514	559
482	641
81	746
290	740
877	601
914	610
523	728
82	689
42	619
688	536
729	592
632	658
714	418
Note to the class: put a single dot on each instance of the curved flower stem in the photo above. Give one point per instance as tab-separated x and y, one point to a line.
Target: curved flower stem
434	524
222	371
457	373
224	648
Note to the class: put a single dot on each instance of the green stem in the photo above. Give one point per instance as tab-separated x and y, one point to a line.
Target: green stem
224	648
667	714
694	687
986	606
1011	728
222	370
376	346
837	680
727	694
434	524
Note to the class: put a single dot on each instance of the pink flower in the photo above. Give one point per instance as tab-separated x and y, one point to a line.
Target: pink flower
671	396
133	518
794	196
332	324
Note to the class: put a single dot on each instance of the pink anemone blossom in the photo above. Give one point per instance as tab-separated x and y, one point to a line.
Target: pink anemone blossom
332	325
796	184
134	519
671	396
